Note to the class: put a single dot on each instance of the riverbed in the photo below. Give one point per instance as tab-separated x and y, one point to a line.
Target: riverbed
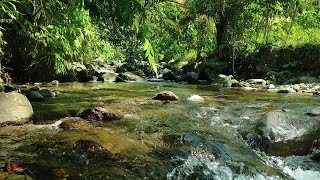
155	140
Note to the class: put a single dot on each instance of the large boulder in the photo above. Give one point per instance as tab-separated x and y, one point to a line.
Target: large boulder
84	76
46	93
34	96
128	76
226	81
108	76
169	75
284	133
190	77
14	108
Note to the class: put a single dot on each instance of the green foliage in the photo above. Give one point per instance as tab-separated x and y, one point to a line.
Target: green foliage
61	33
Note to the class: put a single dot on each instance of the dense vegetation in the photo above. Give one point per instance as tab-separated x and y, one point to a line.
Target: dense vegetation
49	38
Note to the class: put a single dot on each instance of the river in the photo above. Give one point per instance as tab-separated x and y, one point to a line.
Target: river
155	140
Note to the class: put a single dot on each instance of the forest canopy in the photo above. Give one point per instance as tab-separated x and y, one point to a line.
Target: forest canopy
56	36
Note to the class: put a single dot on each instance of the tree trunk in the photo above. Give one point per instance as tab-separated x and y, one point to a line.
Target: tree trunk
221	26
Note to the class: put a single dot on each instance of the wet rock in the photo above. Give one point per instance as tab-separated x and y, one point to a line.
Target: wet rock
284	133
316	93
195	98
100	114
14	108
74	124
226	81
285	90
108	76
271	86
46	93
90	149
203	82
9	88
84	76
258	82
55	83
169	75
128	76
314	112
166	95
190	78
34	96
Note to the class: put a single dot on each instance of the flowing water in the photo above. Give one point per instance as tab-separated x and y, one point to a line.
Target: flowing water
154	140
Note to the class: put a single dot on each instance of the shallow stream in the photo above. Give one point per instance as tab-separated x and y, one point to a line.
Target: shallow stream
154	140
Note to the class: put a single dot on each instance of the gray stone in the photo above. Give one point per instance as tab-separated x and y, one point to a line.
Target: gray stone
55	83
34	96
190	78
169	75
108	76
286	90
271	86
128	76
46	93
314	112
285	132
14	108
259	82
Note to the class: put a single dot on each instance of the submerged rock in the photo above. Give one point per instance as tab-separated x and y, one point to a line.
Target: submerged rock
74	124
166	96
14	108
90	149
100	114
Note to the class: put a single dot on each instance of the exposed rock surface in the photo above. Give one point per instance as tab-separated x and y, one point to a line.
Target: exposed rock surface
100	114
190	78
195	98
284	133
34	96
74	124
46	93
166	96
314	112
128	76
108	76
14	108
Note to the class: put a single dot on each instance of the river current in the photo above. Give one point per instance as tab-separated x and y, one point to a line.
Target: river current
178	140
